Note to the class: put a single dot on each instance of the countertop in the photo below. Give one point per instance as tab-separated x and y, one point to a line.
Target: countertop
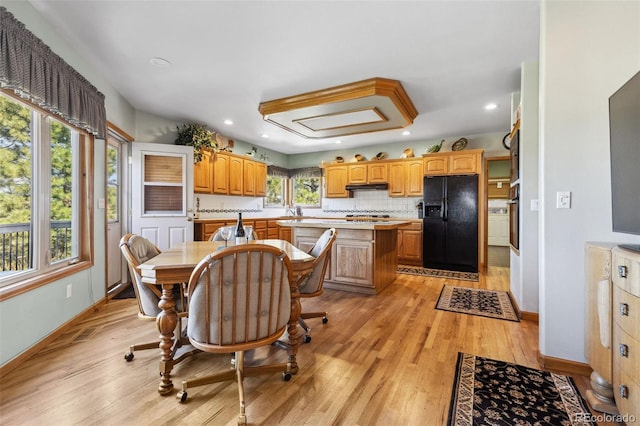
344	224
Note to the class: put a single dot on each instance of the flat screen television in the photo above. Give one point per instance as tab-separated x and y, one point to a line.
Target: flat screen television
624	128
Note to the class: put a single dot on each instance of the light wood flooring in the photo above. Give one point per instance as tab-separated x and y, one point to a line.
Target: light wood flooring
381	360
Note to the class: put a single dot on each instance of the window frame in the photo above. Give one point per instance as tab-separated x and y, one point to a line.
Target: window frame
43	270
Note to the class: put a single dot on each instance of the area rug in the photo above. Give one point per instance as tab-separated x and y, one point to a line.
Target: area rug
473	301
438	273
489	392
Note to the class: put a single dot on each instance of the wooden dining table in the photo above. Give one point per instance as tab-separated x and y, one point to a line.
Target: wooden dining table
174	266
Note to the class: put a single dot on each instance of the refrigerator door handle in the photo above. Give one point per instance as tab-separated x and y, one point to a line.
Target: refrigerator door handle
444	209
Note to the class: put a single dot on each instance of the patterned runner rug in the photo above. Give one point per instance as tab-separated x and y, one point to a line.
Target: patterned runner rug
489	392
438	273
473	301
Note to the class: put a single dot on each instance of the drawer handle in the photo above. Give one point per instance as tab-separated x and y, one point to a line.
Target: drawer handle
624	309
624	391
622	271
624	350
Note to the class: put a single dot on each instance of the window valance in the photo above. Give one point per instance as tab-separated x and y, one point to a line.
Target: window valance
277	171
306	172
34	72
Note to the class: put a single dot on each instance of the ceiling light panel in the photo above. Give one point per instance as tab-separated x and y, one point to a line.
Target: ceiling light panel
365	106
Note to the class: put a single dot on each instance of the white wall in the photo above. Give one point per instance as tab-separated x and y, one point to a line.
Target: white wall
588	50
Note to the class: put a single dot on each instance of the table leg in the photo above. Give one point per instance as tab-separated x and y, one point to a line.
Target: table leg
292	330
166	321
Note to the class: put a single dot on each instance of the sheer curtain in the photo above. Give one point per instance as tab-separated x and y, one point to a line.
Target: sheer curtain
34	72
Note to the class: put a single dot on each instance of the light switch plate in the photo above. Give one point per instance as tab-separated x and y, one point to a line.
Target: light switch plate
563	200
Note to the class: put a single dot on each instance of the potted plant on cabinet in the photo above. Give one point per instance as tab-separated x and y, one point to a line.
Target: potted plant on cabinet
197	136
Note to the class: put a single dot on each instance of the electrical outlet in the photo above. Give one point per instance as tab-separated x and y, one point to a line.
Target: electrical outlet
563	200
69	287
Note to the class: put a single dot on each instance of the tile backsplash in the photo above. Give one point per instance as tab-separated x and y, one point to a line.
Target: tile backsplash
363	202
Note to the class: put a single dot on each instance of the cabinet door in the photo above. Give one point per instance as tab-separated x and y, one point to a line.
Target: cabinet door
335	181
236	186
220	174
378	173
435	164
203	174
397	177
284	233
352	262
464	163
415	177
248	177
358	173
261	179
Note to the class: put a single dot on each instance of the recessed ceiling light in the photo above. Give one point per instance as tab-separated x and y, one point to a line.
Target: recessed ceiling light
228	122
264	135
159	62
338	141
490	106
406	133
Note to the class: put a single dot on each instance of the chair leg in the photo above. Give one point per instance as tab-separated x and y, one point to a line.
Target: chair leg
305	327
242	417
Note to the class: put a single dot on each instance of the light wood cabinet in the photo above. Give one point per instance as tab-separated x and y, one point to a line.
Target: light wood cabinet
498	188
352	258
625	273
406	178
236	176
248	177
272	229
202	231
357	173
203	174
229	174
378	172
336	178
261	179
220	174
260	228
410	244
453	163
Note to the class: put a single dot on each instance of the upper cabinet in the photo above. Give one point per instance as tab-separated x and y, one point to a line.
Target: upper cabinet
336	178
452	163
378	172
229	174
406	178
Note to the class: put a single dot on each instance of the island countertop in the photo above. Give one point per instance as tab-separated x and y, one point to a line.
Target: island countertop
374	225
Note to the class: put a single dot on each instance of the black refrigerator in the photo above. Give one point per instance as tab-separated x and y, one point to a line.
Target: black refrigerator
450	228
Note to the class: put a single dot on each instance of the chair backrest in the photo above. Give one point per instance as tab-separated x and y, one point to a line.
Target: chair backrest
217	236
137	250
321	250
239	298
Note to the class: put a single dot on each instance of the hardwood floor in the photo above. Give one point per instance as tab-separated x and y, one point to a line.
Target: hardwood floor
381	360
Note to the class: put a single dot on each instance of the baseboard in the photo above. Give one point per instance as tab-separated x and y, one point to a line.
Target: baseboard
11	365
529	316
563	366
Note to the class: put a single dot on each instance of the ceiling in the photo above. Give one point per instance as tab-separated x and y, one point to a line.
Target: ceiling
452	58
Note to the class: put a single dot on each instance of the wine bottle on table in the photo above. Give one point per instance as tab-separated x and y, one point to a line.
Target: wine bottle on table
240	234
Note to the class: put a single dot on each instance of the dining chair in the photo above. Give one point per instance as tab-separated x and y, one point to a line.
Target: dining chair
239	299
312	284
217	236
137	250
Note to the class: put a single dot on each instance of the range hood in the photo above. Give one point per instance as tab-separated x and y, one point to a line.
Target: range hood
355	186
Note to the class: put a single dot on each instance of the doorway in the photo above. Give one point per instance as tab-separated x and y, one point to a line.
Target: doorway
496	204
116	184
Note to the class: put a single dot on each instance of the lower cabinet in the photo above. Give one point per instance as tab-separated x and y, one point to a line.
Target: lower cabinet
352	258
625	274
410	244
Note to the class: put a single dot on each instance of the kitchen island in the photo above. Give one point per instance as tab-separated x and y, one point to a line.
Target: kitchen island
363	257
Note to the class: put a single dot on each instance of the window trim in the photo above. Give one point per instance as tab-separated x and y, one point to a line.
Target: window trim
22	283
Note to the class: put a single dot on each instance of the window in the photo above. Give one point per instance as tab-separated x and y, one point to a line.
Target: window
275	192
113	182
43	185
306	191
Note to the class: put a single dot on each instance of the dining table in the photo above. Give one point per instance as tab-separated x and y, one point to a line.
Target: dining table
174	266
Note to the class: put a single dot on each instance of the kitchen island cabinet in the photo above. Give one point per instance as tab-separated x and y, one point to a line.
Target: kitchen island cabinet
364	256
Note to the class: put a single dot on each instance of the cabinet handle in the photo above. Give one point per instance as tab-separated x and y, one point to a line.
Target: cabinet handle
624	309
624	350
622	271
624	391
